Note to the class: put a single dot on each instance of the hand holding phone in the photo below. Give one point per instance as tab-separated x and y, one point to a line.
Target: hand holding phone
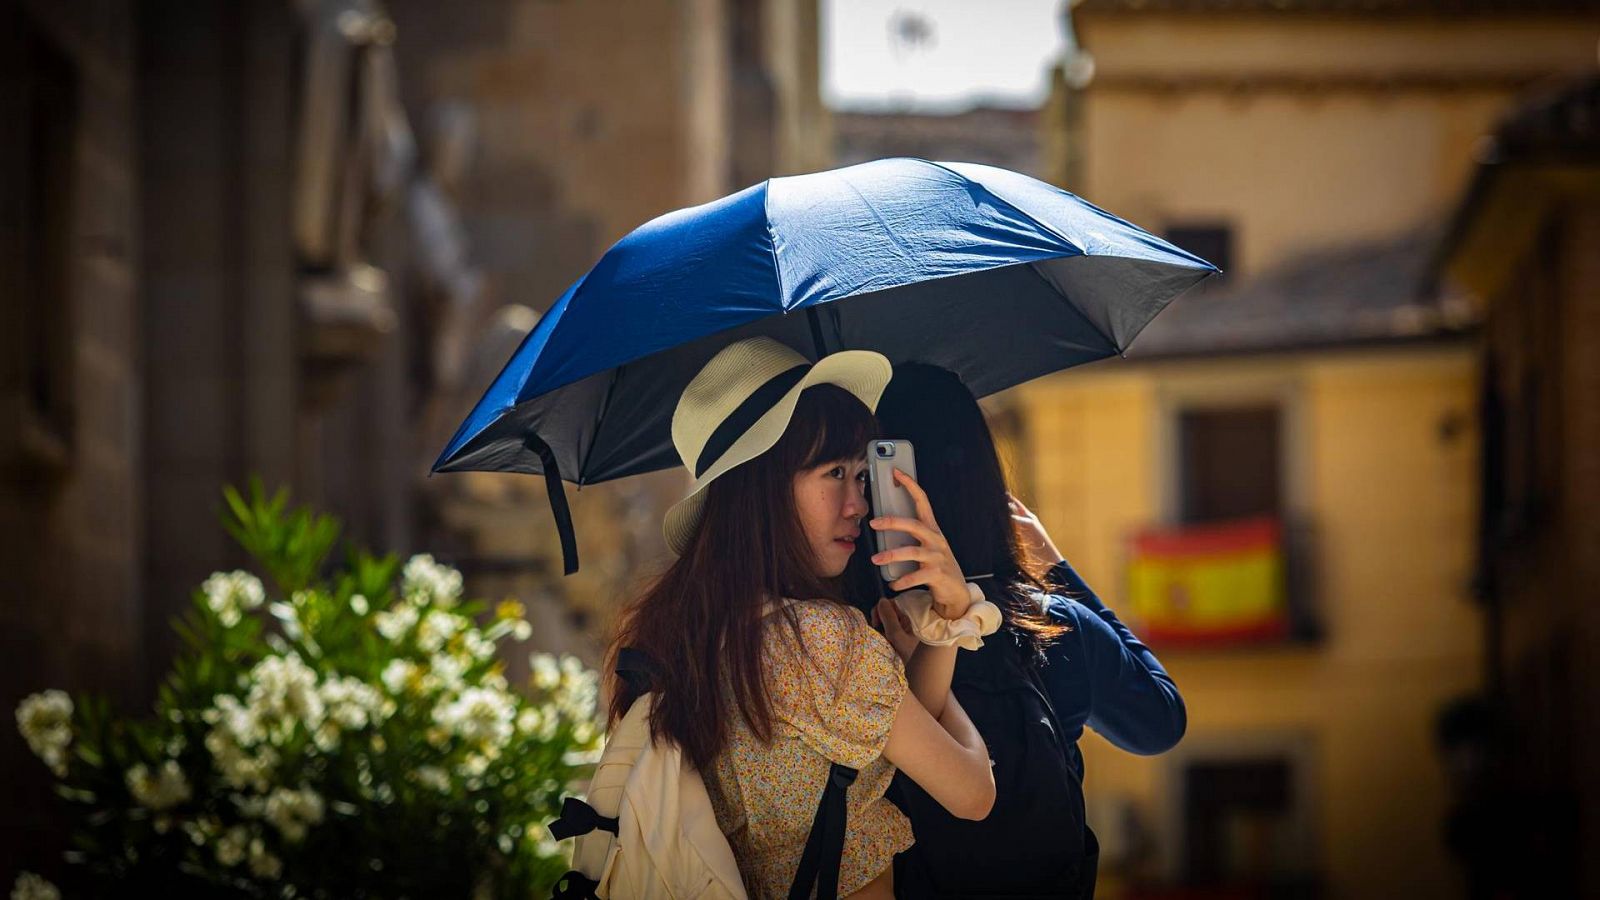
920	557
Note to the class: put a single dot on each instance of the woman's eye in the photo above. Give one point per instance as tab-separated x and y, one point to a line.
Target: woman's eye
836	472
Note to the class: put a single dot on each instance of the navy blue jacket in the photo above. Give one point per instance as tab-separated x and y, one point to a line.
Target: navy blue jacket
1099	674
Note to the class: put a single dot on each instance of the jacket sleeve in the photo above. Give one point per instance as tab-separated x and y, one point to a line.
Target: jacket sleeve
1133	702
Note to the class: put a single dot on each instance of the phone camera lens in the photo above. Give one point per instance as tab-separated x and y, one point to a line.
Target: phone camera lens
885	450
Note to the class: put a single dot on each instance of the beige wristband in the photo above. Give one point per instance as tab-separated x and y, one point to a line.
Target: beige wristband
982	618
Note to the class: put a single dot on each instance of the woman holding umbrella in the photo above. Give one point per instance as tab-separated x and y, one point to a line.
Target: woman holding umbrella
1061	660
763	675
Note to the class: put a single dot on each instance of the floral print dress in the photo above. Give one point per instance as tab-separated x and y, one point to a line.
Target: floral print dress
835	693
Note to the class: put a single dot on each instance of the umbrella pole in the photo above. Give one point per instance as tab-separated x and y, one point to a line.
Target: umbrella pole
818	345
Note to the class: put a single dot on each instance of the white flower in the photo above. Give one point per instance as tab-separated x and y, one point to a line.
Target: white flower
163	789
231	847
394	623
351	702
241	723
479	715
522	630
546	671
476	645
432	777
398	674
437	627
201	830
239	768
358	604
586	757
326	737
473	766
444	673
283	690
529	720
549	722
545	844
45	720
293	811
578	693
288	614
31	887
262	863
229	593
232	742
424	581
585	734
251	806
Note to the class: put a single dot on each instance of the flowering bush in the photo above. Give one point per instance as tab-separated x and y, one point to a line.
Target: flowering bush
341	735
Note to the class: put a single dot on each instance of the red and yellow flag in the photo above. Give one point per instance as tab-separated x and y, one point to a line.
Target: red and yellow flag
1209	584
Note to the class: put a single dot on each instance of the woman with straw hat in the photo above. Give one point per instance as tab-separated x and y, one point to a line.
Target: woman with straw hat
763	675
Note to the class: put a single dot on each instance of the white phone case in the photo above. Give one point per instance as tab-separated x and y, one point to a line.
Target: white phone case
890	499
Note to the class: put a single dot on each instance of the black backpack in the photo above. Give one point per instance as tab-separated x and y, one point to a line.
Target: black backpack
1035	843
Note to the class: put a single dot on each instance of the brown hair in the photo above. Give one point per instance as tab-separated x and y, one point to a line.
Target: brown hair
701	623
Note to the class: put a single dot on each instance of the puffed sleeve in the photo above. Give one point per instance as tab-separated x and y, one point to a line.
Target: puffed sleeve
841	687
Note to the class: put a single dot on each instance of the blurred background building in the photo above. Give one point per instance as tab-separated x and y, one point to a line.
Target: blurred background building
1522	249
1347	490
296	240
1283	484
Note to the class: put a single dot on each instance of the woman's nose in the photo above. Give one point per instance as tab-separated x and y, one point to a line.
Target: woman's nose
856	505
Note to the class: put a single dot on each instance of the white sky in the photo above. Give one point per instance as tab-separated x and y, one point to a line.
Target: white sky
994	51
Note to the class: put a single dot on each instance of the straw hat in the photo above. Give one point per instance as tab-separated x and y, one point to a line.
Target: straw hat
739	405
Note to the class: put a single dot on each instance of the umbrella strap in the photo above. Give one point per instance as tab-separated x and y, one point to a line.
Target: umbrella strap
558	501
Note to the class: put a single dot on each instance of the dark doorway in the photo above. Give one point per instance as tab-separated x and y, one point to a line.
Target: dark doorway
1241	821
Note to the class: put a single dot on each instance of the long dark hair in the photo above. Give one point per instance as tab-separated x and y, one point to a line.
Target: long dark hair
958	466
701	623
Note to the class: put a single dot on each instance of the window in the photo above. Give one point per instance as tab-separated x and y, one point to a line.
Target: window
1229	464
1245	827
1212	242
1231	563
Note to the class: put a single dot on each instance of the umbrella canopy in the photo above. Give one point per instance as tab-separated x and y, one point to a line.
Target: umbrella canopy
986	272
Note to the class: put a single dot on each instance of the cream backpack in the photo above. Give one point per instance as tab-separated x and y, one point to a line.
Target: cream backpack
648	832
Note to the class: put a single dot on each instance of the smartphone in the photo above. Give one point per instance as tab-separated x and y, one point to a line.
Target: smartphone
890	499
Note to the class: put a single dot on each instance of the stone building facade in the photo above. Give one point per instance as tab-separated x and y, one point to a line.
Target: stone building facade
294	239
1521	250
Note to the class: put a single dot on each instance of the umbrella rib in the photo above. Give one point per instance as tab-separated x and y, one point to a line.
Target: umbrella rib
1014	208
772	246
599	422
1067	301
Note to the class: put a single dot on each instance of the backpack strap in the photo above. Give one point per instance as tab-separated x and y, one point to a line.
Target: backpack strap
636	669
578	817
819	863
575	886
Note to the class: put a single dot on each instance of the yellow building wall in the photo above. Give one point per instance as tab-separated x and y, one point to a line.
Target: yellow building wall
1382	461
1290	175
1301	131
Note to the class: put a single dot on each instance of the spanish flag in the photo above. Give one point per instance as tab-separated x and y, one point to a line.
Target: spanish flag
1209	584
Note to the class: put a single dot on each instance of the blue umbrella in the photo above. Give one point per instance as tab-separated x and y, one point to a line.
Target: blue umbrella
985	272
